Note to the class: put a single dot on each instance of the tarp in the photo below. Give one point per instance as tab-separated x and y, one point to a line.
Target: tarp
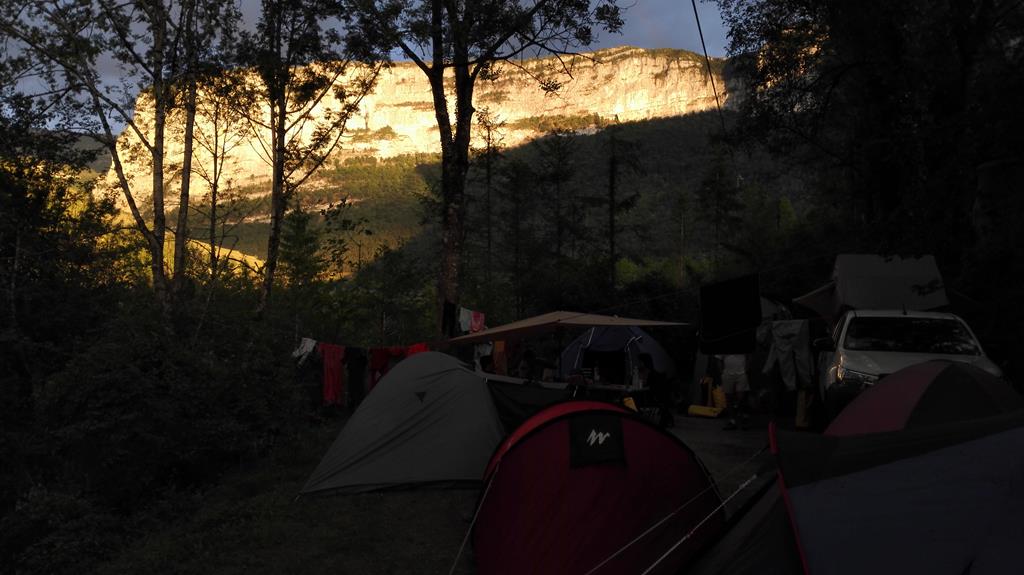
430	419
866	281
553	320
627	339
581	480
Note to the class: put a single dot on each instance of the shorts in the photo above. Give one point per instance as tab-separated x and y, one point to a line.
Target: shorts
735	383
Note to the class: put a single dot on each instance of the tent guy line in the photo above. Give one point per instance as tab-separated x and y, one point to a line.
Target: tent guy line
732	496
703	492
476	514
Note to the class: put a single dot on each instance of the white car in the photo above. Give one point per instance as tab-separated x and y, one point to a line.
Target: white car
867	345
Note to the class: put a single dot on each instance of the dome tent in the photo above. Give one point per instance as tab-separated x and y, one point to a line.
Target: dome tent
918	475
429	420
630	341
581	480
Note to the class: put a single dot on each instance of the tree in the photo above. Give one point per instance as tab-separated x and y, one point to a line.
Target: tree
298	65
302	263
625	155
556	171
342	230
518	208
207	33
61	266
149	43
221	130
488	157
898	101
719	201
466	41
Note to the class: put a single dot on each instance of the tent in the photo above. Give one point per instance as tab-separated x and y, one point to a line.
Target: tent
552	321
919	474
429	420
581	480
624	343
864	281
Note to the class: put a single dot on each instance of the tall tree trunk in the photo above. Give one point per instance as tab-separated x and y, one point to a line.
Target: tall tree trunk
213	224
278	198
488	264
181	230
454	157
156	241
613	168
217	158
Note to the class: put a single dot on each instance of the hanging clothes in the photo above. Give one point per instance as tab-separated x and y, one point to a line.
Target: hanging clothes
379	358
334	374
356	361
476	322
450	319
499	355
381	361
306	347
791	352
416	348
465	319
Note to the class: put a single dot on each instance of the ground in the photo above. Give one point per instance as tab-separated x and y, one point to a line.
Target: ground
253	523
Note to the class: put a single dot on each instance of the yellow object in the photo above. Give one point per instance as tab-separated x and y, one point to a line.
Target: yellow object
628	402
803	404
718	399
704	411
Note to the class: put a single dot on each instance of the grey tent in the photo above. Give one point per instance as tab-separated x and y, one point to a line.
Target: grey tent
630	341
429	420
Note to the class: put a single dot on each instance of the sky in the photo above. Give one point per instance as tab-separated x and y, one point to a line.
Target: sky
669	24
648	24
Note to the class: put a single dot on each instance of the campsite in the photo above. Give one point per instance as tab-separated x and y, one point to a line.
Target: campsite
508	287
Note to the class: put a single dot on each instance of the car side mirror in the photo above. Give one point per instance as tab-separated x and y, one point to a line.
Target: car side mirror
824	344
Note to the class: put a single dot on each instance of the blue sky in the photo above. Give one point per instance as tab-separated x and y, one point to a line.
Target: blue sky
669	24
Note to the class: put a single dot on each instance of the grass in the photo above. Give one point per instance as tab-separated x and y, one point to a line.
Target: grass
252	524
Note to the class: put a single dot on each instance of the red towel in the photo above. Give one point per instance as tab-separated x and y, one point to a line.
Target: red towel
379	358
334	375
477	323
416	348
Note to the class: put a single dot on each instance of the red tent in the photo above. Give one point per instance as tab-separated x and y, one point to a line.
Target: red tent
920	474
585	487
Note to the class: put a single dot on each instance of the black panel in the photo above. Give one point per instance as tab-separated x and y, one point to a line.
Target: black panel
596	438
517	402
730	312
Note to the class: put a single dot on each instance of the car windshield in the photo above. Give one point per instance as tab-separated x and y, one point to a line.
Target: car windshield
910	334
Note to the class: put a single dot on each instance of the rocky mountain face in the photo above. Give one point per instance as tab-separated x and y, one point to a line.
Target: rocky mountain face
620	84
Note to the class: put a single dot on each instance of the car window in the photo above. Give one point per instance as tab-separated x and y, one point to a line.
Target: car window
910	334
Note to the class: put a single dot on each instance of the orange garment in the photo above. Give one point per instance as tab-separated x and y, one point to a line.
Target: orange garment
499	355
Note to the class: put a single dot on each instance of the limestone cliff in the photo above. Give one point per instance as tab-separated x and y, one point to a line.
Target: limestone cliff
627	84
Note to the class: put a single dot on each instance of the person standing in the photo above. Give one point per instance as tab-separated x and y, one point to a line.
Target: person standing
735	386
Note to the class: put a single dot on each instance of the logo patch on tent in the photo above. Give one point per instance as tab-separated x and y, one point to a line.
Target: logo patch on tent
596	438
421	395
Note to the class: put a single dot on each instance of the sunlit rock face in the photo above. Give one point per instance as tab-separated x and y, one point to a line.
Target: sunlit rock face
620	84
